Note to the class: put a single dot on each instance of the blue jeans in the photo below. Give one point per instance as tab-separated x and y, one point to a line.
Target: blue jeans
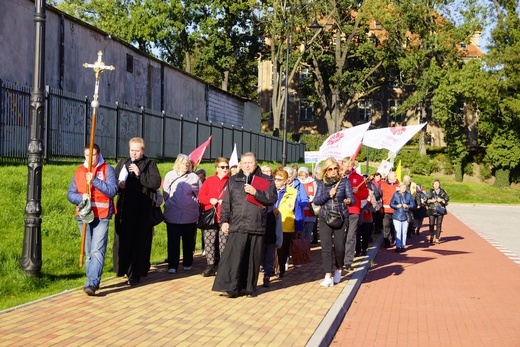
95	250
401	230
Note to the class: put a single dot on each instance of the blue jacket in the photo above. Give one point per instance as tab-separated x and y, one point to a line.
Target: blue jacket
303	201
323	199
398	198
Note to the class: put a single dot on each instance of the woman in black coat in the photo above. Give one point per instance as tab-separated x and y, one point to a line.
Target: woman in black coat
333	193
436	200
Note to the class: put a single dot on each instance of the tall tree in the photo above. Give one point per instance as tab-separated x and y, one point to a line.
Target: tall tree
228	40
500	116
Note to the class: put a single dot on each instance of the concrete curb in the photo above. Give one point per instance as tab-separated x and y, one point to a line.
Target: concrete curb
330	324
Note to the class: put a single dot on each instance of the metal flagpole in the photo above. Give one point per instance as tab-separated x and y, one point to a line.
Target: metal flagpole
98	67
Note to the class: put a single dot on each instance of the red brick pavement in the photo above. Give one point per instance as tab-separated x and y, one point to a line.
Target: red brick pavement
462	292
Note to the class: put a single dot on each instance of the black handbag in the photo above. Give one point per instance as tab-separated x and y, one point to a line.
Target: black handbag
440	210
157	215
409	217
207	219
333	218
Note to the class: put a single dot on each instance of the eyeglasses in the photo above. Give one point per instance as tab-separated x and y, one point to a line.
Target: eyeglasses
332	168
279	179
224	167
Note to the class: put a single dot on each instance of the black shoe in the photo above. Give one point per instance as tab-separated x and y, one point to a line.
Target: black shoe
132	282
386	243
314	242
402	249
364	252
348	267
357	254
209	271
230	294
251	295
397	249
89	290
281	274
267	281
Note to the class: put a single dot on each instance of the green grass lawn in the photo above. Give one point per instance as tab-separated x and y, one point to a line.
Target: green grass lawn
61	239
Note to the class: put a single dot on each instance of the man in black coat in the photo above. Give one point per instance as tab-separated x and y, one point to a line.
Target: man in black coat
243	216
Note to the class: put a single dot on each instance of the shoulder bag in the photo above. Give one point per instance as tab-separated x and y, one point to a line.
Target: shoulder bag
333	218
207	219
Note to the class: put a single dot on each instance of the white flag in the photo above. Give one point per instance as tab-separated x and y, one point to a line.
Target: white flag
393	138
233	160
384	168
345	143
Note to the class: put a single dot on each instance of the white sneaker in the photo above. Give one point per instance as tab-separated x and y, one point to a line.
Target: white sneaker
297	266
187	268
286	266
327	282
171	271
337	276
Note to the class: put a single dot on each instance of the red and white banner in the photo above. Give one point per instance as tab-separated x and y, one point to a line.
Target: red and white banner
198	153
345	143
393	138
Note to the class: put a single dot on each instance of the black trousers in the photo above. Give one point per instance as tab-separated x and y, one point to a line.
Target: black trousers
283	252
175	233
239	264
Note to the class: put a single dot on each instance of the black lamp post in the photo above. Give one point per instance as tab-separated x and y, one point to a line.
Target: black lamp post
284	140
31	261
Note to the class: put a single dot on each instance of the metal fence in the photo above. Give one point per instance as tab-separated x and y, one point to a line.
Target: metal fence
67	130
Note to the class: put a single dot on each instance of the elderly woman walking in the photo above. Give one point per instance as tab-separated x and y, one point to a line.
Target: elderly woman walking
181	212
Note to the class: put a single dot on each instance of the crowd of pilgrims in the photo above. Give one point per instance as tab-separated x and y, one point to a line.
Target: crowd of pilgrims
258	213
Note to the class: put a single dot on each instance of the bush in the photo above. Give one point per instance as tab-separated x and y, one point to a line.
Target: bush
313	142
484	172
468	169
501	178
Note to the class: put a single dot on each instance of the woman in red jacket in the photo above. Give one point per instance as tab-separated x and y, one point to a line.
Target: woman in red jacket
210	196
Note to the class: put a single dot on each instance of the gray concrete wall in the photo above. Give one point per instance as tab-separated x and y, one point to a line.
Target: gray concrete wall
184	94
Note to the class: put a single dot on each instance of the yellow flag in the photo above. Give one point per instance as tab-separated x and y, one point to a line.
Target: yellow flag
398	172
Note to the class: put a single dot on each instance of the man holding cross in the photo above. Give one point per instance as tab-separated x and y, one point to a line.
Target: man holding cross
96	188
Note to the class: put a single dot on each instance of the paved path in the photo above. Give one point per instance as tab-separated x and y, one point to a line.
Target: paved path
463	292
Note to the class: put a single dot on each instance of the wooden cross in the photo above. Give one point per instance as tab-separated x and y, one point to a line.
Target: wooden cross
98	67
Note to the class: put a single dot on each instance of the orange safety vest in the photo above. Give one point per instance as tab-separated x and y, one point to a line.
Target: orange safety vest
309	188
388	190
99	201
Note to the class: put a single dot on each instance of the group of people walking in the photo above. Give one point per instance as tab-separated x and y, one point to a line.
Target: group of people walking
255	212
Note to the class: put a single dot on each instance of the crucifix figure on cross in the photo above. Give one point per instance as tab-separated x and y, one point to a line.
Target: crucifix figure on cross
98	67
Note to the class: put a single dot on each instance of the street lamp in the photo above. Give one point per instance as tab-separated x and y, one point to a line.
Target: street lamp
31	262
284	140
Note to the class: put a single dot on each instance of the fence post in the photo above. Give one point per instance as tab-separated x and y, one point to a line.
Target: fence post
211	142
163	121
142	121
181	128
85	130
196	132
222	142
46	124
117	132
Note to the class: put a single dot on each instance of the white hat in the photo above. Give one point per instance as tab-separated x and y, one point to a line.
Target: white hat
303	169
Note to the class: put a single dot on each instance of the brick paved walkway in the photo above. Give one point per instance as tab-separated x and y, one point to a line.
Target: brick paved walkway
462	292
